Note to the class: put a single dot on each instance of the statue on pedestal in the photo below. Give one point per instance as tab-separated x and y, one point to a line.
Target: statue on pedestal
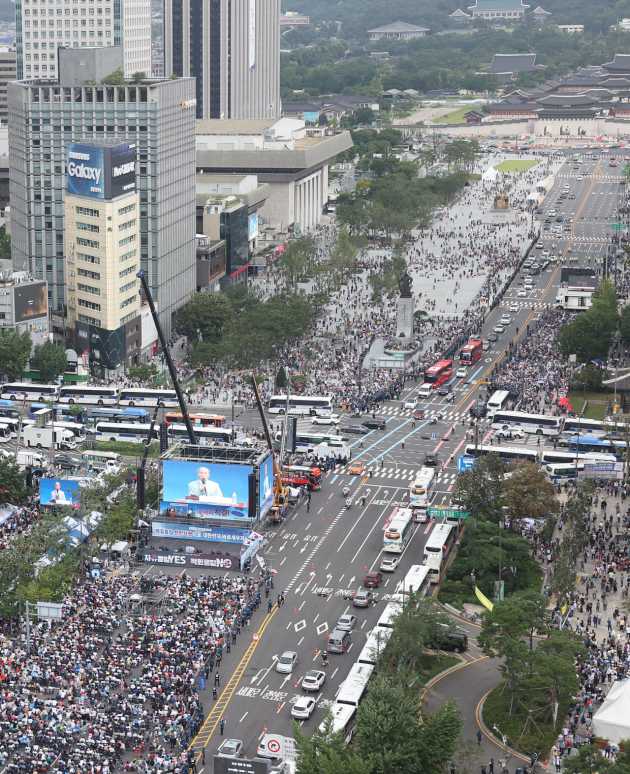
405	283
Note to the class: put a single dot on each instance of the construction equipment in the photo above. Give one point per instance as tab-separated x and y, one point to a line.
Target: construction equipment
280	492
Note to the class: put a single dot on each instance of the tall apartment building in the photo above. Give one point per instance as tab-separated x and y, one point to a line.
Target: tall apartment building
232	48
102	246
8	72
43	26
157	117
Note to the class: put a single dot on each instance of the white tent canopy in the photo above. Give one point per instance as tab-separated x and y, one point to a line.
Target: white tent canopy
612	719
490	175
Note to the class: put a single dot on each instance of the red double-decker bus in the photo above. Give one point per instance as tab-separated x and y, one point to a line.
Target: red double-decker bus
470	353
439	373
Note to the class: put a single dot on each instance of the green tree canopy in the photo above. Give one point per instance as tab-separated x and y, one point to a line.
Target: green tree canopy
50	360
15	349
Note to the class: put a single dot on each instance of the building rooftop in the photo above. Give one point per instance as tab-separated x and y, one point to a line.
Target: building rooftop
398	26
620	63
459	14
498	5
513	63
540	11
232	126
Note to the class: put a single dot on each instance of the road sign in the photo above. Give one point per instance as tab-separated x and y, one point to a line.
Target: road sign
273	745
447	513
434	436
464	463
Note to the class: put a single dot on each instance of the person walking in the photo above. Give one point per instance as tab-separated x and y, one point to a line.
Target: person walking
217	678
222	726
479	737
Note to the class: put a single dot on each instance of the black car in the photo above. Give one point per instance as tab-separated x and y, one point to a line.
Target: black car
443	389
431	460
375	423
67	461
449	638
478	410
353	429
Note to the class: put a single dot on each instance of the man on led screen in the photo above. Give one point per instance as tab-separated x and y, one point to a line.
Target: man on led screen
202	487
58	496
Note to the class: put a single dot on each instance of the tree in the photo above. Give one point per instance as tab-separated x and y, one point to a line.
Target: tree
624	324
480	489
281	379
15	349
414	628
326	753
145	373
50	360
12	483
528	493
589	335
588	759
589	377
204	317
297	258
5	244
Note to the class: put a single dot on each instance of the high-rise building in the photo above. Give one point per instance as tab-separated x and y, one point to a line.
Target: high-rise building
42	26
8	72
232	48
102	246
157	117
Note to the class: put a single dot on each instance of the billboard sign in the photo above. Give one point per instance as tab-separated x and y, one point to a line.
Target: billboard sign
212	534
265	486
58	491
212	560
101	171
252	226
30	301
205	490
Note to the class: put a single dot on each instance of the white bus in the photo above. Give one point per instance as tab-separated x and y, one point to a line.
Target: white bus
388	617
539	424
374	645
569	457
101	460
507	453
346	703
302	405
83	393
574	425
420	492
497	401
562	471
398	531
29	391
135	432
205	435
417	581
138	396
437	549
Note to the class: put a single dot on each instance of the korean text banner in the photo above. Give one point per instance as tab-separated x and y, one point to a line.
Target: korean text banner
265	487
58	491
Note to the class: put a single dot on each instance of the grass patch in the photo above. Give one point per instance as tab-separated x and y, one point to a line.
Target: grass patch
539	737
127	449
431	664
597	403
454	117
516	165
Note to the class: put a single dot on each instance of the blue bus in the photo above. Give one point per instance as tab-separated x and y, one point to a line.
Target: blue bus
8	408
60	411
592	443
118	415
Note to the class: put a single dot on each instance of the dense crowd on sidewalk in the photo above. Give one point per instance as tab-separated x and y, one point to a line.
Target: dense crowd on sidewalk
116	684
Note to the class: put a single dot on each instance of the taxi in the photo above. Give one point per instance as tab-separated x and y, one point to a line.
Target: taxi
356	469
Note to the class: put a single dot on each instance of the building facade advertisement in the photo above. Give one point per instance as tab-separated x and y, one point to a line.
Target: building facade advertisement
31	301
101	172
211	560
265	486
252	34
252	226
212	534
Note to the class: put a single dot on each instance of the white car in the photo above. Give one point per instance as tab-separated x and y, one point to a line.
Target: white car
389	563
303	708
331	419
506	319
286	662
539	246
313	680
461	372
509	432
498	329
230	748
514	307
346	622
409	404
522	293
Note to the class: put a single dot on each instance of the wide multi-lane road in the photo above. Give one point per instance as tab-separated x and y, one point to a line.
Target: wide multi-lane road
321	553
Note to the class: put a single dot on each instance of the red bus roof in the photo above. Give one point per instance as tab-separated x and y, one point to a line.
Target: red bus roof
441	365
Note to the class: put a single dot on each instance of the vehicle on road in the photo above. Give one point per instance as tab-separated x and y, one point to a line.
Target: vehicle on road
375	423
539	424
286	662
431	460
510	433
389	564
362	598
339	641
420	492
505	319
520	294
450	638
471	352
313	680
444	390
486	346
346	622
439	373
437	549
301	405
303	708
418	413
372	580
409	404
356	469
461	373
67	462
497	401
230	748
48	437
138	396
539	245
514	307
353	429
498	329
331	419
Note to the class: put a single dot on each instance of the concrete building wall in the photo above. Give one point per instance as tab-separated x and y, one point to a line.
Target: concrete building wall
136	37
8	72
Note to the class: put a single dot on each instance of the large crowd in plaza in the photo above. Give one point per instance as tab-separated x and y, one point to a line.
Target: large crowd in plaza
115	685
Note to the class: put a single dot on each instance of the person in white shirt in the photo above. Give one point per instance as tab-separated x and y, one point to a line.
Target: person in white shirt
203	487
58	496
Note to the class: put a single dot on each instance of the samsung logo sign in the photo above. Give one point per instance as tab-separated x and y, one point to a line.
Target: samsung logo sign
84	172
124	169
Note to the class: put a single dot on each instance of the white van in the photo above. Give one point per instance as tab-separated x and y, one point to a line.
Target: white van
30	459
426	390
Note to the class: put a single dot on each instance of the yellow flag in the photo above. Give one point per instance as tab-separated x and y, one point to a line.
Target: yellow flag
483	599
564	608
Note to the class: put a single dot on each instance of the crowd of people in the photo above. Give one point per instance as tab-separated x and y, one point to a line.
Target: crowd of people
115	684
16	520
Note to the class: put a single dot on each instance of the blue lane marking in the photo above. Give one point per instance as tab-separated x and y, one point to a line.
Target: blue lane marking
382	438
363	437
404	438
334	478
474	375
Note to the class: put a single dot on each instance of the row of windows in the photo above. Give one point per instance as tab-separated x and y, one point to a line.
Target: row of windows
89	320
88	211
127	302
93	259
87	242
128	286
89	289
127	224
127	240
90	274
127	256
126	209
127	271
87	227
89	305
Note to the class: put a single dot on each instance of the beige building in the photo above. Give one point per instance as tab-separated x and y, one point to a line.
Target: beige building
8	73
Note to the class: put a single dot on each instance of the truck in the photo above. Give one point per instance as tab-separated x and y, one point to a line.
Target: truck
29	459
48	437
